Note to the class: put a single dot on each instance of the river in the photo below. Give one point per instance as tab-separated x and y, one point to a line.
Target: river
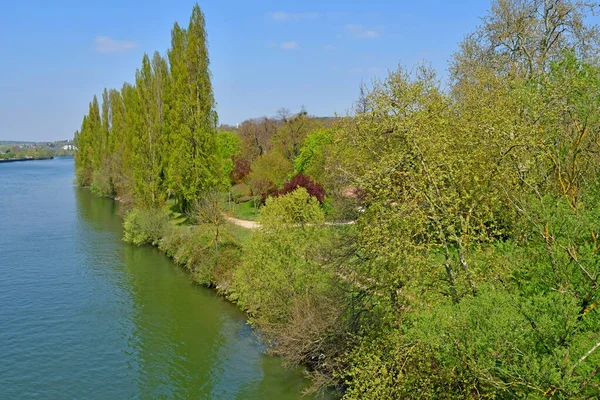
84	315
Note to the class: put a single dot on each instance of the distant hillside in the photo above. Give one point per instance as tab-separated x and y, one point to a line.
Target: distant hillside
12	149
57	143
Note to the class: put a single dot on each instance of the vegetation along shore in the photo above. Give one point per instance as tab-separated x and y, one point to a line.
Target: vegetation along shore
7	160
438	241
25	151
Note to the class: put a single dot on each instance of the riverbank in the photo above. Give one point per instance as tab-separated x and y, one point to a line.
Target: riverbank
9	160
300	314
80	308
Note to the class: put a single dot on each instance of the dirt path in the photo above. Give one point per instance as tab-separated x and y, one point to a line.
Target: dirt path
255	225
244	223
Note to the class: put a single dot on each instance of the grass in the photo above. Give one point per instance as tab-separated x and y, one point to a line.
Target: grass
241	189
246	211
239	234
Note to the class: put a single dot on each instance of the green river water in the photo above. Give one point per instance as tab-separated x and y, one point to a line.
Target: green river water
85	316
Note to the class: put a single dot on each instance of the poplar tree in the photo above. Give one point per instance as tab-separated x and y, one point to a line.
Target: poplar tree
161	97
95	132
88	143
193	166
130	103
148	138
83	163
116	143
106	124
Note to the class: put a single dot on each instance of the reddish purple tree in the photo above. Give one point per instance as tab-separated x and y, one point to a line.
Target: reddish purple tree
241	168
301	180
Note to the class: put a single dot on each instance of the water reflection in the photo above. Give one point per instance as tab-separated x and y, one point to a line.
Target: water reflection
177	340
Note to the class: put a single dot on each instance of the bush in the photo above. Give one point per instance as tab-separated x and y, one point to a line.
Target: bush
312	188
269	172
278	260
101	185
241	168
145	226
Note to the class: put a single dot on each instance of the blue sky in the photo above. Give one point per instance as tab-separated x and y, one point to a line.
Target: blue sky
55	55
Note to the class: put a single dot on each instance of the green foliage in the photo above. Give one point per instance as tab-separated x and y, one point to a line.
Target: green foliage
246	210
311	159
483	259
292	132
269	171
89	142
279	261
193	165
101	185
157	139
240	192
229	145
472	269
191	248
145	226
34	152
148	131
283	285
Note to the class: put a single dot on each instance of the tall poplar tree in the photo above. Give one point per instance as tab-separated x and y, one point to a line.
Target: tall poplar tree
148	139
88	143
193	166
131	106
95	132
116	143
83	162
106	124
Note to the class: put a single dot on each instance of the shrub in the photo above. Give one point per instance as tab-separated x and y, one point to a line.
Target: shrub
101	185
241	168
300	180
145	226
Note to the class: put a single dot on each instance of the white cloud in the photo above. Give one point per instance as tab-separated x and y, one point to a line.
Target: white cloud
104	44
280	16
329	47
362	32
286	16
289	45
375	70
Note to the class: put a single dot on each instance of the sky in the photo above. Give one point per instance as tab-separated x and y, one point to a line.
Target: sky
265	55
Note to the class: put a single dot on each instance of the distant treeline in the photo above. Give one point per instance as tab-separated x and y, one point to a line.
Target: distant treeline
35	150
12	153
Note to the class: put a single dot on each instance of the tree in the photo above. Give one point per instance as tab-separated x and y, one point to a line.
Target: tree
311	158
94	126
118	147
209	211
149	138
269	171
279	266
229	146
89	144
256	137
240	170
292	132
193	166
302	181
521	38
